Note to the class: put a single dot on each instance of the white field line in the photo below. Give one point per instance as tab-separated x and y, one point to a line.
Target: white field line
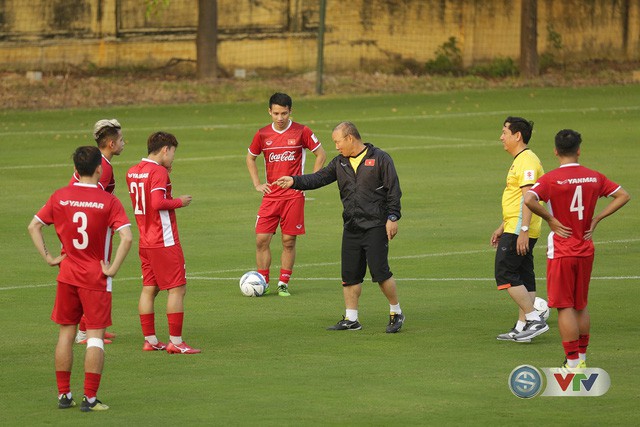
387	117
213	274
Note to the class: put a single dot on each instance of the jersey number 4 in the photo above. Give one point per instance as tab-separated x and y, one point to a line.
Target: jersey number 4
576	202
137	189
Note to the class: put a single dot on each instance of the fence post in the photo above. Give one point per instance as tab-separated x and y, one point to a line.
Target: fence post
320	61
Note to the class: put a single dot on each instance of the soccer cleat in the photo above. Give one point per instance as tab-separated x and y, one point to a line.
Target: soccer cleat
109	335
267	290
181	348
345	324
84	341
65	402
511	336
395	323
532	329
283	290
581	365
81	336
153	347
85	406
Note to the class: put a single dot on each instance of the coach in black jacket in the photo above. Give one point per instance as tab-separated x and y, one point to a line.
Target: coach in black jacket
370	193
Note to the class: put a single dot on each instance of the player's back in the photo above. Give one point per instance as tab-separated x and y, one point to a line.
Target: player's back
83	215
572	193
157	228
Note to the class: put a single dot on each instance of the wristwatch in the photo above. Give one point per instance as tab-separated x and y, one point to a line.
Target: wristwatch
392	218
524	228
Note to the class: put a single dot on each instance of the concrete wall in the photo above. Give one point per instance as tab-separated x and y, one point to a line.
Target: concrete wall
281	34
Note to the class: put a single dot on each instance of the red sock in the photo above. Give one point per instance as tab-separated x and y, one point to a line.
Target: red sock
175	324
91	384
583	343
63	378
570	349
265	274
83	324
148	323
285	275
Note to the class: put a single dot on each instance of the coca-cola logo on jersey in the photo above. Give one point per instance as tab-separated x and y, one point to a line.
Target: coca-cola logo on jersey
285	156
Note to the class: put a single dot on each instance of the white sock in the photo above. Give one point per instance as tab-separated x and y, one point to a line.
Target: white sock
520	325
286	285
91	399
175	340
582	356
395	309
153	340
351	315
534	315
65	394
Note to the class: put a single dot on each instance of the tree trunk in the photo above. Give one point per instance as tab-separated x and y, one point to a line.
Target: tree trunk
207	40
529	38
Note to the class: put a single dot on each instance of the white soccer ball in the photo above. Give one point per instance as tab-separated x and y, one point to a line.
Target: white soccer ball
541	306
252	284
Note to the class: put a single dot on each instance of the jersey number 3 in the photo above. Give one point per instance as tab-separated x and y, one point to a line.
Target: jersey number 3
138	194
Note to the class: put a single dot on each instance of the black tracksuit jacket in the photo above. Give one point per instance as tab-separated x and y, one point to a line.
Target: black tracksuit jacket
369	196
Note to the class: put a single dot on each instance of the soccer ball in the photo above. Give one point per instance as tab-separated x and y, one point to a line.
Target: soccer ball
252	284
542	308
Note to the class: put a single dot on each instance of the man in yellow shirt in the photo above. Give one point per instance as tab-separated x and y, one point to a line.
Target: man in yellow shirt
518	232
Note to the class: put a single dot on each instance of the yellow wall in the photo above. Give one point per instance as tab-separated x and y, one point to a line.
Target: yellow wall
281	34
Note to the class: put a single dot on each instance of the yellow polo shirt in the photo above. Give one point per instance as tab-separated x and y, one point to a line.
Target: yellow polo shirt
525	170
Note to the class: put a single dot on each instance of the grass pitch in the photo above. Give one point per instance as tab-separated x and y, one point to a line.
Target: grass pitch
270	361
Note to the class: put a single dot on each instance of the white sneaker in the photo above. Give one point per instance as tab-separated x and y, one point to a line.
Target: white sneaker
80	336
532	329
511	336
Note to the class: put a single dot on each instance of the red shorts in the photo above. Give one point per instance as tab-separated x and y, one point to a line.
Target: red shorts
288	213
72	302
163	267
568	281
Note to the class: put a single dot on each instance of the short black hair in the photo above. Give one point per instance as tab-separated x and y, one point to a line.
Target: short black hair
520	124
281	99
568	142
157	140
86	159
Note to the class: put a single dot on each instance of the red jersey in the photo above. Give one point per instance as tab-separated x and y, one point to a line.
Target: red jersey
150	190
284	154
107	180
85	218
571	193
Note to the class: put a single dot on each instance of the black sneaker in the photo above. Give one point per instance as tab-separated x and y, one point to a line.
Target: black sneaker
395	323
532	329
65	402
345	324
85	406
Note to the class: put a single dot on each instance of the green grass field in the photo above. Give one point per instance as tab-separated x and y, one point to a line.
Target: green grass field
270	361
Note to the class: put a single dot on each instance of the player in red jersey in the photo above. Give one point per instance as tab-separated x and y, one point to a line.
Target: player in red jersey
161	255
571	193
283	144
84	217
108	136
